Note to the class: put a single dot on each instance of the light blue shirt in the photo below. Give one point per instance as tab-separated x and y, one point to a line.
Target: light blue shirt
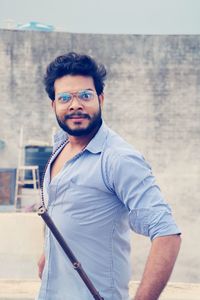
95	199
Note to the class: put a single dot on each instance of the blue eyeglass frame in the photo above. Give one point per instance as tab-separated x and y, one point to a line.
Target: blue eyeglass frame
82	95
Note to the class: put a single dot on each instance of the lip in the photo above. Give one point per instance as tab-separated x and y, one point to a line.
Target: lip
77	118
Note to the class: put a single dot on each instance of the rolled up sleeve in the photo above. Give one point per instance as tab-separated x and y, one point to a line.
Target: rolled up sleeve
152	223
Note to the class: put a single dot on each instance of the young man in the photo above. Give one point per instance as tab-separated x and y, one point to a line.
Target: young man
97	187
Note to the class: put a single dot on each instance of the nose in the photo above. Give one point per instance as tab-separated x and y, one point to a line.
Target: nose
75	104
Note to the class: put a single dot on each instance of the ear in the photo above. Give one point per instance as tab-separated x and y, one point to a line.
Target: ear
101	100
53	105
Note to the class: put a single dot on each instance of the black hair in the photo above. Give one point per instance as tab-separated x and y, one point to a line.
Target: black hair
74	64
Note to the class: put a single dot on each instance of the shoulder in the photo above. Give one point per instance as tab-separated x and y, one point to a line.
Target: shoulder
117	150
122	164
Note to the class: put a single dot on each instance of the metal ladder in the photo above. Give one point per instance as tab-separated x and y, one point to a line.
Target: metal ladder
26	197
21	192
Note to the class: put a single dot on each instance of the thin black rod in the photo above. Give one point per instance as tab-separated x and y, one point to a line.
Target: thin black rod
76	264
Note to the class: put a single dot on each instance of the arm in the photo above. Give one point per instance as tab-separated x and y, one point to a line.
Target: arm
149	214
159	265
41	264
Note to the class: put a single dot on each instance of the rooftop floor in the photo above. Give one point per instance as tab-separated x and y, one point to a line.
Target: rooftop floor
27	290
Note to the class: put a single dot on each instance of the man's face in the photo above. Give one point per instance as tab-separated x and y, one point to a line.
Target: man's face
76	105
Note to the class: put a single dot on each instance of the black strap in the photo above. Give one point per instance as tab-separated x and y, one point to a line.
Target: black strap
76	264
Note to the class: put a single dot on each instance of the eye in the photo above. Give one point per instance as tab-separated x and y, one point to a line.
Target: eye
64	97
86	95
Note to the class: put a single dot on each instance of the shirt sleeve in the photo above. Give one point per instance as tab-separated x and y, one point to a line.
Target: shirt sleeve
131	178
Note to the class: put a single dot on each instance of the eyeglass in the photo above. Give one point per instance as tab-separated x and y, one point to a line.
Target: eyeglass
83	96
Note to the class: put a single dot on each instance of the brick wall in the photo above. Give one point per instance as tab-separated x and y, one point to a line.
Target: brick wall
151	99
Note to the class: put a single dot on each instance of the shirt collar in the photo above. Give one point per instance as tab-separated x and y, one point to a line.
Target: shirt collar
97	142
60	136
94	146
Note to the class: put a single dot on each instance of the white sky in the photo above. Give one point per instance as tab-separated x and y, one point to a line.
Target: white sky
108	16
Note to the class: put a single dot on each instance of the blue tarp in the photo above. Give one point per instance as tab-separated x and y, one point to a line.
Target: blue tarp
35	26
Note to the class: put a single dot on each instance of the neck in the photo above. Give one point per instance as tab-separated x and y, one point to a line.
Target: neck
81	141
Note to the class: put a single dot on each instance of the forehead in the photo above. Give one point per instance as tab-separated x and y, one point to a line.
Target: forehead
73	83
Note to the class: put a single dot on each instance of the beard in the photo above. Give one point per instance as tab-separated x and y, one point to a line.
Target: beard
95	123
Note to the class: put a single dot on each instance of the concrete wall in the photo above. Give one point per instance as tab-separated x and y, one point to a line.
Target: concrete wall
152	100
21	237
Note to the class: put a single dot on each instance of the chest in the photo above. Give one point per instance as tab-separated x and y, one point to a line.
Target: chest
79	192
65	155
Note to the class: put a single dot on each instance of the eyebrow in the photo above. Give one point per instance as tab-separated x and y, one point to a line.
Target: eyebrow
87	89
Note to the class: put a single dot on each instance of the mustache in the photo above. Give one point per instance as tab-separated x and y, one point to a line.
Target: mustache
70	116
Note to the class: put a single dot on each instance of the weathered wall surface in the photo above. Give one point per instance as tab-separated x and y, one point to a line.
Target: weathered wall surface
151	99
